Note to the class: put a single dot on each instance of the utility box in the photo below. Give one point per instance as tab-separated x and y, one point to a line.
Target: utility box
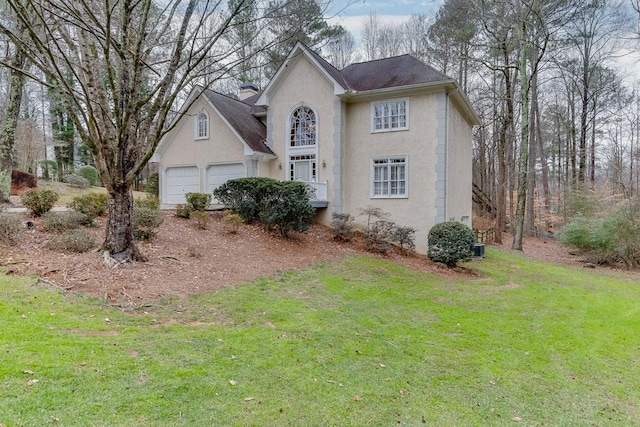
478	250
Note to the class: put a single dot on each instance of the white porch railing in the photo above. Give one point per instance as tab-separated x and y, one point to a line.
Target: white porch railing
321	190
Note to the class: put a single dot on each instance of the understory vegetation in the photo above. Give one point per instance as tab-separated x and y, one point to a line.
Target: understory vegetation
522	341
607	231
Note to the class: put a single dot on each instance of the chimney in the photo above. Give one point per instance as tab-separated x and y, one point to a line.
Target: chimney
247	90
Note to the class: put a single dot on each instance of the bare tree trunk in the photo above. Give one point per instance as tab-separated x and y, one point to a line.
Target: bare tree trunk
531	177
11	116
119	240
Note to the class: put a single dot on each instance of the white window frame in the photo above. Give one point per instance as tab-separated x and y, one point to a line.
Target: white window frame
389	125
399	160
292	126
196	126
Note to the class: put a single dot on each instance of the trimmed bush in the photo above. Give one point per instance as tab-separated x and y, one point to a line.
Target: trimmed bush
183	211
342	226
10	226
281	206
287	208
72	241
450	242
62	221
91	204
198	201
149	201
146	222
39	200
89	173
76	180
244	195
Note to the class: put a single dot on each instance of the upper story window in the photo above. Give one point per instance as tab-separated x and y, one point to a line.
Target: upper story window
303	127
202	126
389	177
390	115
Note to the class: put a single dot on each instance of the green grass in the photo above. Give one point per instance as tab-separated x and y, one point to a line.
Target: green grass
359	342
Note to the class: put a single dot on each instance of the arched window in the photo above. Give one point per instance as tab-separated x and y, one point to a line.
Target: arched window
303	127
202	125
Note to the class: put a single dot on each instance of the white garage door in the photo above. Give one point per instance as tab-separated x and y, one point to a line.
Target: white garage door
181	181
219	174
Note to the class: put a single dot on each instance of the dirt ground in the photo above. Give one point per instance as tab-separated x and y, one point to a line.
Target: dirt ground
186	260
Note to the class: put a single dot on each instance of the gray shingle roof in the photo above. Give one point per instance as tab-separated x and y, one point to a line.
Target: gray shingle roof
240	117
404	70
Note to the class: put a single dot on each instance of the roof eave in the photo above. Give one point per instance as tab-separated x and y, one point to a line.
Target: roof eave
449	86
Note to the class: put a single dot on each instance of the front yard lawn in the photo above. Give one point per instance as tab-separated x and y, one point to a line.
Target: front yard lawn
350	343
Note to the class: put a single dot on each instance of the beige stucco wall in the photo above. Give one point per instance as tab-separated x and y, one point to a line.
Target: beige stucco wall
459	187
180	147
303	84
417	143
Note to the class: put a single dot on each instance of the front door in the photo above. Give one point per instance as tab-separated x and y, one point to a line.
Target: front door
303	168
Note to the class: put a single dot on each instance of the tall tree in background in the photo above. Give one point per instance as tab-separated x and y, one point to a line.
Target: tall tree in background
16	64
291	21
341	50
130	61
450	38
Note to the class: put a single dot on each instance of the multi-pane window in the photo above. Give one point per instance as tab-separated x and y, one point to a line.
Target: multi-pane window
390	115
202	125
303	168
303	127
389	177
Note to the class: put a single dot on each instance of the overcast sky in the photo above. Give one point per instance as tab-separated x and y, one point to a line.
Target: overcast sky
351	13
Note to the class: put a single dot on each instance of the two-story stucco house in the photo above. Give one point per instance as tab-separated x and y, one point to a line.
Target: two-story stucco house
392	133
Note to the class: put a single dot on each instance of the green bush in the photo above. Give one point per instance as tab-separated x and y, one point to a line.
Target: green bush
146	223
89	173
61	221
91	204
244	195
75	180
72	241
450	242
183	211
10	226
149	201
198	201
287	208
612	239
39	200
281	206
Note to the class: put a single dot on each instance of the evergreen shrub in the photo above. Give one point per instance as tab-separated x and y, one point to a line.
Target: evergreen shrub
39	200
89	173
450	242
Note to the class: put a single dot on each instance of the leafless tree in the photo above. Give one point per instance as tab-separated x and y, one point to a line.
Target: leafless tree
129	62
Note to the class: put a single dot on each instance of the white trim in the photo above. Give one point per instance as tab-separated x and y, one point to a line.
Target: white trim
372	176
196	125
301	150
372	109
